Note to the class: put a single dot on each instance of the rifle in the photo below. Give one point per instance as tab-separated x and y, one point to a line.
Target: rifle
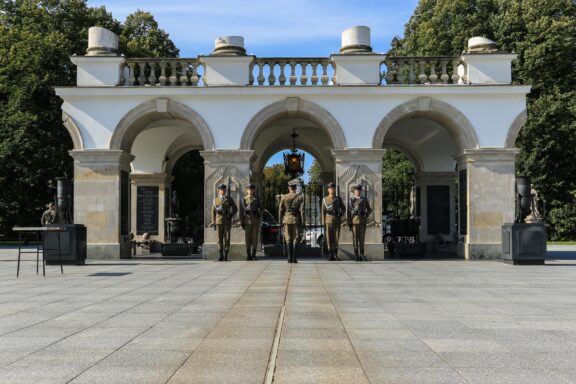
227	212
364	213
338	217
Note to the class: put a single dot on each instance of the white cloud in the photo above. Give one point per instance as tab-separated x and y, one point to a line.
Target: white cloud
194	25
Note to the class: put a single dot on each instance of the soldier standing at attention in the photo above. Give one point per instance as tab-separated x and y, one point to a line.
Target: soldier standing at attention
291	216
358	210
250	213
49	215
223	210
332	210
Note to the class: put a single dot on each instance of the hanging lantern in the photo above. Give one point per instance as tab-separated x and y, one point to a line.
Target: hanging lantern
294	160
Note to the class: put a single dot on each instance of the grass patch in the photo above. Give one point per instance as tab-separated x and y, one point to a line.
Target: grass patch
561	243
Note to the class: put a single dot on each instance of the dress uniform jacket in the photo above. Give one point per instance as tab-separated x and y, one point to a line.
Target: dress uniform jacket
358	210
224	210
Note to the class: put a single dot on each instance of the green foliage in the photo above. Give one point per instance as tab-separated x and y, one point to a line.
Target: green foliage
141	37
36	40
397	184
274	175
314	173
543	35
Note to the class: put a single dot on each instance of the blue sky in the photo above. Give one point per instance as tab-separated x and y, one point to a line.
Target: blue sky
271	28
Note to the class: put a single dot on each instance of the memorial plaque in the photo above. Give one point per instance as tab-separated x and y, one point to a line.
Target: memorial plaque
438	204
147	210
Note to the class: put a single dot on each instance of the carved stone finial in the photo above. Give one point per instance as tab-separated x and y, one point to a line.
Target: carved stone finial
481	45
102	42
229	46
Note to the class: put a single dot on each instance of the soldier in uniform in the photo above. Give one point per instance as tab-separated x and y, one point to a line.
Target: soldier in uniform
49	215
358	210
250	214
292	217
223	210
332	210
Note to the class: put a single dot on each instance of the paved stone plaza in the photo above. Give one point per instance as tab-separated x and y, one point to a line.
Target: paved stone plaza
192	321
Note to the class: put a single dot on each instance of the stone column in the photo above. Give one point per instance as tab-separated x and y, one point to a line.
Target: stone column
162	182
220	166
490	199
362	166
441	187
102	201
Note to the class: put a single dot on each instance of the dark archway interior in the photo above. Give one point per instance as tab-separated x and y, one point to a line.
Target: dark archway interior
188	184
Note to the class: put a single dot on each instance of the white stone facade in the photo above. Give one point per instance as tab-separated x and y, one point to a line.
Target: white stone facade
464	119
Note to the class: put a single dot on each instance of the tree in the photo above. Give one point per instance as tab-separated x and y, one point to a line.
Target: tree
141	37
543	35
314	173
36	40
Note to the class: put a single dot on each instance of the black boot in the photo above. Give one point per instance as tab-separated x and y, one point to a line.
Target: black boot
248	257
254	255
331	258
220	255
363	258
226	255
356	255
294	253
290	253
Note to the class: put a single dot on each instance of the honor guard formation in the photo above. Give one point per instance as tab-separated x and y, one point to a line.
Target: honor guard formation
291	215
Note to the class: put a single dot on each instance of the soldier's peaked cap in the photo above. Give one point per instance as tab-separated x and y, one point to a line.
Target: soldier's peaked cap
357	187
331	185
221	186
293	183
250	186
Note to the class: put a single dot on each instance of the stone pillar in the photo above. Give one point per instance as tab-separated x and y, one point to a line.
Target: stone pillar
220	166
161	181
362	166
102	201
437	215
490	199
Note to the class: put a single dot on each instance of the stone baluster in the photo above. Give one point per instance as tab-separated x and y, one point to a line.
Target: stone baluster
142	76
314	78
303	75
152	77
282	78
400	77
324	78
173	76
162	78
131	78
433	75
444	77
194	74
261	77
455	75
390	69
334	79
293	77
422	77
184	73
411	74
251	72
271	76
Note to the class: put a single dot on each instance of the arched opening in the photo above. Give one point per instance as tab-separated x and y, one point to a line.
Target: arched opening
421	208
274	183
167	172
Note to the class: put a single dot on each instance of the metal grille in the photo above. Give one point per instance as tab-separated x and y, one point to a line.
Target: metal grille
311	236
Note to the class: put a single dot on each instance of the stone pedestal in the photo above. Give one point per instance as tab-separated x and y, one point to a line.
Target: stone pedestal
524	243
490	199
362	166
157	180
223	166
101	201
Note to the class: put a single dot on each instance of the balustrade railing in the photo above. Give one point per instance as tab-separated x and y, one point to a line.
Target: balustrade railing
163	71
272	71
307	71
423	70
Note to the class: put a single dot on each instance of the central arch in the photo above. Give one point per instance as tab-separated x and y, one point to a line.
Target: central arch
293	107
